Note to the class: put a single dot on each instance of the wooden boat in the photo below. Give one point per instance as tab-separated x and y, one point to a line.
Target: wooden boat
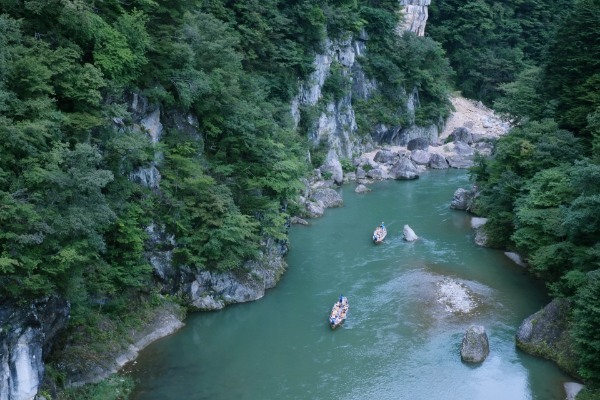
379	234
338	312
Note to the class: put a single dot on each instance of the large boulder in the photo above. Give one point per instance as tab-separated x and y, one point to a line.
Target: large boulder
409	234
478	224
377	173
461	135
420	157
385	156
333	166
404	169
314	209
212	290
546	334
418	144
438	161
463	199
475	345
362	189
328	197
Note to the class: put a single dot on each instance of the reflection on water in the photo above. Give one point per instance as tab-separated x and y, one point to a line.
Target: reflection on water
399	340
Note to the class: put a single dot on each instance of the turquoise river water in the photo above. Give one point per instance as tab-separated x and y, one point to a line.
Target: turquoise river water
399	341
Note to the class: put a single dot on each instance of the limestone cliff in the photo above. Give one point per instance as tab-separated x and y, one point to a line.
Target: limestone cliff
336	126
26	335
414	16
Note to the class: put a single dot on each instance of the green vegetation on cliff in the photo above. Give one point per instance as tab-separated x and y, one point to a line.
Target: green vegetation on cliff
73	219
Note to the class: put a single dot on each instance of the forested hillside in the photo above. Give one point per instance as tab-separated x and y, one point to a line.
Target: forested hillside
541	191
73	221
74	224
489	43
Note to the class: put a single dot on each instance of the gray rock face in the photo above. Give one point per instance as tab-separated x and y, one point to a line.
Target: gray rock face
384	156
438	161
334	167
463	199
377	173
420	157
461	135
546	334
214	290
298	221
315	209
418	144
329	198
475	345
415	16
25	339
362	189
404	169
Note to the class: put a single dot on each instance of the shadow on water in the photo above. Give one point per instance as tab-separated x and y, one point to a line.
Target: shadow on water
410	304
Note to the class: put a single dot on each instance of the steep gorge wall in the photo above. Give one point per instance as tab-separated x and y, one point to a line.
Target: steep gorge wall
415	13
336	125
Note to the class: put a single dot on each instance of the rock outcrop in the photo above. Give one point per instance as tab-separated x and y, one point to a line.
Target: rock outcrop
415	16
26	335
546	334
463	199
475	345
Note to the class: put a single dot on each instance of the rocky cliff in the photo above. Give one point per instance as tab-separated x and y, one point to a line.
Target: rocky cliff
336	126
414	16
26	335
204	290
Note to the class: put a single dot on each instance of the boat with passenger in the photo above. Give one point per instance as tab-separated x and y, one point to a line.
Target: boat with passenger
379	234
338	312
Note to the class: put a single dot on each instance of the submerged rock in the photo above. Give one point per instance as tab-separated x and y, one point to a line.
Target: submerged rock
362	189
475	345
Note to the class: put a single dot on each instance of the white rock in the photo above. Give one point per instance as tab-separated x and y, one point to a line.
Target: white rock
409	234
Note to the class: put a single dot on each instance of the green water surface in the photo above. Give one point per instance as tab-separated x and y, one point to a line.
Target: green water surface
399	341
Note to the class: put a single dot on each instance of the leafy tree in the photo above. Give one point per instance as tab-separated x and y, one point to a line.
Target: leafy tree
586	333
490	43
573	71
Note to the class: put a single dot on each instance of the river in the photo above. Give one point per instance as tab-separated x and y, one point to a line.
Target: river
401	340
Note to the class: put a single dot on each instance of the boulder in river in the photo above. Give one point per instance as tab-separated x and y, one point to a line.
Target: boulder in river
463	199
409	234
546	334
475	345
438	161
362	189
404	169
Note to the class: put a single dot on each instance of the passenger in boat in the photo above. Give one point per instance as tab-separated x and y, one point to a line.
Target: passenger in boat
382	226
341	297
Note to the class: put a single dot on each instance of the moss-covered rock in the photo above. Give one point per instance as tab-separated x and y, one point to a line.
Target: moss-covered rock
546	334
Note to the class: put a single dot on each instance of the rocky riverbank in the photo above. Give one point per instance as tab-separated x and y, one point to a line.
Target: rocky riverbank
471	129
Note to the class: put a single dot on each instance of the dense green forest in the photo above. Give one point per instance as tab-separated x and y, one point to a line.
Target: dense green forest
541	190
489	43
73	223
